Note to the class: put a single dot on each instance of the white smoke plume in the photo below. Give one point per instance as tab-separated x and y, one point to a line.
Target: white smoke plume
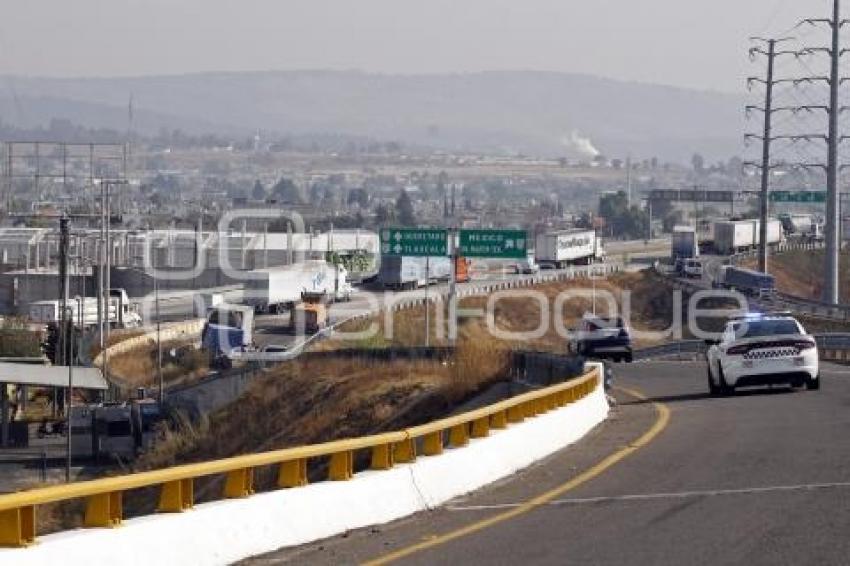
580	144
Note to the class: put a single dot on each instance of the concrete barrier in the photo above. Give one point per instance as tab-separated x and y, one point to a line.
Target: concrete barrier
168	332
226	531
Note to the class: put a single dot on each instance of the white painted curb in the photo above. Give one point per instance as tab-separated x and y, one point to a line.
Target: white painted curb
225	531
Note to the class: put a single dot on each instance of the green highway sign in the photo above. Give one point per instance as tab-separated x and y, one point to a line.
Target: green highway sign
798	196
498	244
414	241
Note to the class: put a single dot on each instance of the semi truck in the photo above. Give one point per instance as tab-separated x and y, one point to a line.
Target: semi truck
118	311
409	272
802	226
684	243
747	281
559	248
228	328
275	289
733	236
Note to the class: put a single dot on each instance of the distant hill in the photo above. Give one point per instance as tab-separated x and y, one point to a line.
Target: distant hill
532	112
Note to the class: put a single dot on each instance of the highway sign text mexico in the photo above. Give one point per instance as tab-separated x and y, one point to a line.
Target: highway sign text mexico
493	243
414	241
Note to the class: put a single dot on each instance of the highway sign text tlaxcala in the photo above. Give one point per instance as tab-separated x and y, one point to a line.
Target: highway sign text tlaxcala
414	241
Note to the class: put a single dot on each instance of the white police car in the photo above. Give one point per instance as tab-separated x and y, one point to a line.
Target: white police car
762	349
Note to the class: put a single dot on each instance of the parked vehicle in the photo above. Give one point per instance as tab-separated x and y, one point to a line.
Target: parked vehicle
409	272
684	243
747	281
567	247
602	337
275	289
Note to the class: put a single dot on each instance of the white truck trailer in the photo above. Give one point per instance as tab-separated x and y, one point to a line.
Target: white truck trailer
277	288
733	236
83	311
560	248
409	272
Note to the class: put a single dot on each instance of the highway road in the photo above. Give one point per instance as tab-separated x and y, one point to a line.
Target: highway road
762	477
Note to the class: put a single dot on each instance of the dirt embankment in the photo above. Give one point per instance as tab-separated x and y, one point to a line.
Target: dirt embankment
644	295
801	272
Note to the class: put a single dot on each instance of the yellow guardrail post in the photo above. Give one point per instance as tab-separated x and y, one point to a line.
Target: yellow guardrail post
459	435
405	451
382	457
17	526
104	510
292	473
342	466
516	414
499	419
239	483
433	443
481	427
177	496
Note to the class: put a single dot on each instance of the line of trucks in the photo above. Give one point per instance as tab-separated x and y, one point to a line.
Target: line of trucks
553	250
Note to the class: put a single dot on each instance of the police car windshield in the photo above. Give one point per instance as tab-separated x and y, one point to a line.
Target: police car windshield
768	327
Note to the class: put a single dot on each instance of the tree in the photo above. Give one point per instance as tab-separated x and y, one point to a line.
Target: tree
625	221
404	208
384	214
259	191
288	192
698	162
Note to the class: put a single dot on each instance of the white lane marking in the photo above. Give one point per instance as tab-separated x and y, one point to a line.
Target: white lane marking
673	495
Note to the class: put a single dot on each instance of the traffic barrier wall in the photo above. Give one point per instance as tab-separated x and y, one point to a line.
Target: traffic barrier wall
461	453
168	332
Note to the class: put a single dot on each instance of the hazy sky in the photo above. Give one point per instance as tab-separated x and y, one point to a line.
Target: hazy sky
680	42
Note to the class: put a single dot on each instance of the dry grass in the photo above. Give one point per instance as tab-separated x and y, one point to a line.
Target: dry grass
801	272
651	308
137	368
317	400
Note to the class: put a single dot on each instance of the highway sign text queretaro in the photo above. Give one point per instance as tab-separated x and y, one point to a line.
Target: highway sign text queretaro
498	244
414	241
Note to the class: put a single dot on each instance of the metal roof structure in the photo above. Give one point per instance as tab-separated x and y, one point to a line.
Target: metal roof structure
51	376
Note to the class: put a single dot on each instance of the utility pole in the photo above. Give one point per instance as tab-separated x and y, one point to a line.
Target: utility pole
833	218
766	138
765	157
832	139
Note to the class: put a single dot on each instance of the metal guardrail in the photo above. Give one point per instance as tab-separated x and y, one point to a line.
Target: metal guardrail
832	346
104	497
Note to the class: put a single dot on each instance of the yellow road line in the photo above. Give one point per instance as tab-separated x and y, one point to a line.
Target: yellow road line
663	418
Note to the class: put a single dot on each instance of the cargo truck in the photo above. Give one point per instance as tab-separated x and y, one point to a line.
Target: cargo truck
228	328
408	272
83	311
684	243
747	281
275	289
734	236
557	249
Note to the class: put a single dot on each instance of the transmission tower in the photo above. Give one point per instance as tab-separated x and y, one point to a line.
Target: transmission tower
833	138
766	138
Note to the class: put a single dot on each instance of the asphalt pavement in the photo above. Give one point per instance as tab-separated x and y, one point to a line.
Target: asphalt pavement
762	477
